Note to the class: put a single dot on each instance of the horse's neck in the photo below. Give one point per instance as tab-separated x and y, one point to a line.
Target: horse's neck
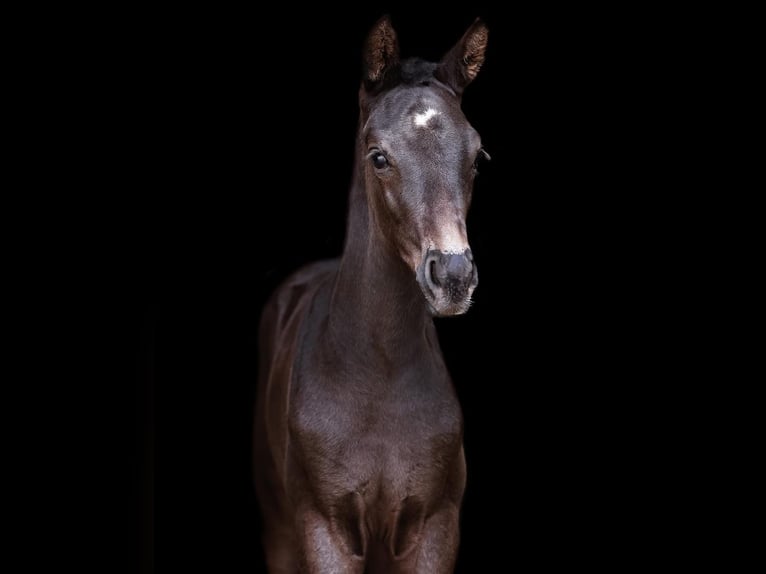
377	307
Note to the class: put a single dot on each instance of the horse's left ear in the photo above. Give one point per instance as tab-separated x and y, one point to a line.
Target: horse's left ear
462	63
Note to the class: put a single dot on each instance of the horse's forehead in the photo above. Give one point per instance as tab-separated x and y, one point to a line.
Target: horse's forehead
415	112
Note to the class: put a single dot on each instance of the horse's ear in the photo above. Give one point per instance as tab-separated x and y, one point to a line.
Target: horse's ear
462	63
381	52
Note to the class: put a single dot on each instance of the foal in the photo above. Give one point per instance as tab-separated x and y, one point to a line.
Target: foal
359	463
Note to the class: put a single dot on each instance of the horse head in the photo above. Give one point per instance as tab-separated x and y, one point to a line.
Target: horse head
421	156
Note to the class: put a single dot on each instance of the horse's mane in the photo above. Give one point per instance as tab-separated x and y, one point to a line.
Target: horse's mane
414	71
409	72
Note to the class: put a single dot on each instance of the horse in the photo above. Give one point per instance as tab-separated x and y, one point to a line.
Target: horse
359	463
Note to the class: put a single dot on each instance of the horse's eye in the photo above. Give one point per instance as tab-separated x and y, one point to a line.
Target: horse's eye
379	160
481	157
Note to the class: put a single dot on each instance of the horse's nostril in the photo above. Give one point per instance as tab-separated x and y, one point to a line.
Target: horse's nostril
458	266
432	273
451	275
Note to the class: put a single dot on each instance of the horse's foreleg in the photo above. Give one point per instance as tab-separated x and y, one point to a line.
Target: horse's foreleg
438	548
323	551
439	539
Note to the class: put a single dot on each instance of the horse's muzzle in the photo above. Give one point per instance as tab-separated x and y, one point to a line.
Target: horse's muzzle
447	281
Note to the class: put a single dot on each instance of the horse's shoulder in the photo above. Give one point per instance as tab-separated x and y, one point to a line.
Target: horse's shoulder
297	291
314	274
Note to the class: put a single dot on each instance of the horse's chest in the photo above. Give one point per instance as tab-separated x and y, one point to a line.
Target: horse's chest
401	443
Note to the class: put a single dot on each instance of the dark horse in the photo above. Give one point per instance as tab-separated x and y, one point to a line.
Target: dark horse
359	463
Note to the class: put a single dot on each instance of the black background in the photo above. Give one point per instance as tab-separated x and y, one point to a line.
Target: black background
247	124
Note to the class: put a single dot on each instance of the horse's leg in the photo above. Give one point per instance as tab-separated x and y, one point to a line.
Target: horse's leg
438	549
280	550
278	533
323	552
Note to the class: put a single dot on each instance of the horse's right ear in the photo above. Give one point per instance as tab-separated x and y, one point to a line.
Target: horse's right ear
381	52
